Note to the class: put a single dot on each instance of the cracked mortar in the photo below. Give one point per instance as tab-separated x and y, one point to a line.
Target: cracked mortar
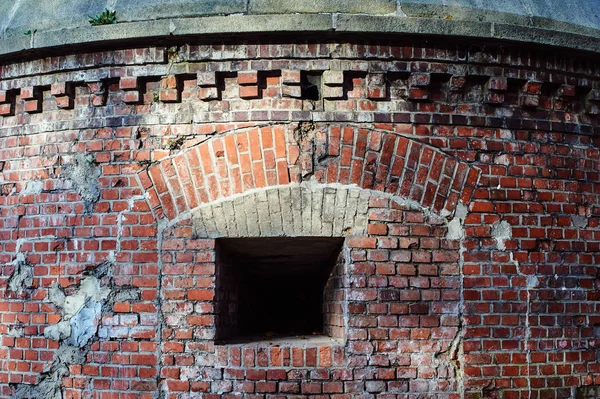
82	311
83	173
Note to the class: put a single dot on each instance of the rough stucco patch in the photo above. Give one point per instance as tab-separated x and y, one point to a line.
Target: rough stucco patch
501	232
455	226
56	295
84	324
34	187
16	331
50	385
83	173
81	312
22	276
579	221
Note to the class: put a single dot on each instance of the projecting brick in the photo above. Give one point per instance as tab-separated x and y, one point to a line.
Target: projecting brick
290	77
497	84
247	77
249	91
333	92
566	91
333	78
419	80
58	89
128	83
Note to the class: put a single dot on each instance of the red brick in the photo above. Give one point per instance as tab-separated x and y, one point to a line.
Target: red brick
406	289
249	92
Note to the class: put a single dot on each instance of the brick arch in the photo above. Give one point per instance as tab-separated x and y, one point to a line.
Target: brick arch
277	155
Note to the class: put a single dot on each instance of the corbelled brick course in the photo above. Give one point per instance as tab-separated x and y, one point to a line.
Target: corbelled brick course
463	182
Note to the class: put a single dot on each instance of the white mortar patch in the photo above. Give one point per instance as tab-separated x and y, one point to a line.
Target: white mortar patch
501	232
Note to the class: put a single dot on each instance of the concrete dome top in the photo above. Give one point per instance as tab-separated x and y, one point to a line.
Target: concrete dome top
29	25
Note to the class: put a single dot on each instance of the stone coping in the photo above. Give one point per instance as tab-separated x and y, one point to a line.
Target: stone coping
576	26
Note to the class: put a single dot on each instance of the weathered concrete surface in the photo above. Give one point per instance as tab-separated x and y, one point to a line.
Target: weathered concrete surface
319	6
62	22
540	13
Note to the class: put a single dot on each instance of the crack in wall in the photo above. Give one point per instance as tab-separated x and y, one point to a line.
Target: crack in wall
527	325
83	306
502	232
162	225
453	356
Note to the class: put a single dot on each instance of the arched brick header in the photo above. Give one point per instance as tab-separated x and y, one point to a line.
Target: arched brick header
278	155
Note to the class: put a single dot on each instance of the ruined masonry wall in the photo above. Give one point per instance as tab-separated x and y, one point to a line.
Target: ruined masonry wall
462	177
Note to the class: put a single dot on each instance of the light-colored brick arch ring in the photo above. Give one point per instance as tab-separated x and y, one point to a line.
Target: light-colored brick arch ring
329	156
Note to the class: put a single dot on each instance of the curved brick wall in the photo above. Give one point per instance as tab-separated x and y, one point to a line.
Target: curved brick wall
461	176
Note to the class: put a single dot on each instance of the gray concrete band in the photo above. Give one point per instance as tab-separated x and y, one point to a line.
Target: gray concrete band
29	25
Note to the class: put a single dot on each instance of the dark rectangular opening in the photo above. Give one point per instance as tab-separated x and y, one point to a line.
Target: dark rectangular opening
269	288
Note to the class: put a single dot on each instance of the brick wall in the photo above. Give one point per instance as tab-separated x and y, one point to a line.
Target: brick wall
461	179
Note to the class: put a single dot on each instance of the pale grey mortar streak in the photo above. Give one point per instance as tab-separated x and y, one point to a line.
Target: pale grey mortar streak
340	208
240	216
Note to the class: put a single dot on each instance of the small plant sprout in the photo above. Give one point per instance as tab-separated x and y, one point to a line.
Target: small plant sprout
106	17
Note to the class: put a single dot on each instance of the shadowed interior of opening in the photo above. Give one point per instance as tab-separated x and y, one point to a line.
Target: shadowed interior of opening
277	287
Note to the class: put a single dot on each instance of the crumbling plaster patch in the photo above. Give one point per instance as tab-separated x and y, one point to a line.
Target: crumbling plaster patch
579	221
80	312
22	276
83	173
456	230
501	232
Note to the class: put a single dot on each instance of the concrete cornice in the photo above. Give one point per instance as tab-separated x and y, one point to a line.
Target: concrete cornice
260	17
